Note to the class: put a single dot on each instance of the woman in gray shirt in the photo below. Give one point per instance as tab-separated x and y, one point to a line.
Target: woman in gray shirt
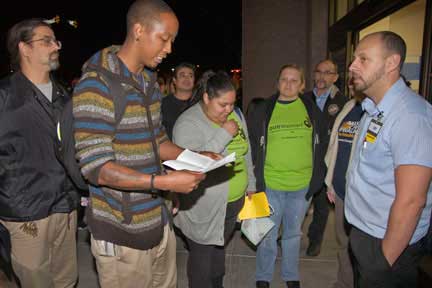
208	215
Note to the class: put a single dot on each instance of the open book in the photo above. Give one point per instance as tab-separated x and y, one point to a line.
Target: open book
192	161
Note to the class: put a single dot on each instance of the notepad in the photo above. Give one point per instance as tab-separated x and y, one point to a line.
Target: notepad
255	207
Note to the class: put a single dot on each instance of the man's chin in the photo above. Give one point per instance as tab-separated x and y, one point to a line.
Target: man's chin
320	85
152	65
54	65
359	88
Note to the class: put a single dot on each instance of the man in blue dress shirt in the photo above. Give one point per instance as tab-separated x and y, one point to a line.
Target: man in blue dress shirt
389	196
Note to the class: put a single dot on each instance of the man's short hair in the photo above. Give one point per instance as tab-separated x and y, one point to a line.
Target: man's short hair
184	65
394	44
22	31
332	62
146	12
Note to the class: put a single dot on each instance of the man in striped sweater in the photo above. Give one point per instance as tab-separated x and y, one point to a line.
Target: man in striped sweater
132	241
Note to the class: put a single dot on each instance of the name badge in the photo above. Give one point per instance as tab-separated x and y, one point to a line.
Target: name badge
373	130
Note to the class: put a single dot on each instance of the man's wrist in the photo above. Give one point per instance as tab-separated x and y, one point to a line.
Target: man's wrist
385	253
159	182
152	178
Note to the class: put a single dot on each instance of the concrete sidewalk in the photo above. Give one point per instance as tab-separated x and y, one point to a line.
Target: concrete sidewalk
316	272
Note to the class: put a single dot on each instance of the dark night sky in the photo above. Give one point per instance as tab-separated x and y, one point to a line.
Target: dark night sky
209	35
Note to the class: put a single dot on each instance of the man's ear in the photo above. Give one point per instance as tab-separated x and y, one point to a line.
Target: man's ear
336	77
23	48
138	31
392	62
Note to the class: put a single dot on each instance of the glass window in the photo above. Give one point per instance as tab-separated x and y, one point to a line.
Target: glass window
408	22
332	12
341	8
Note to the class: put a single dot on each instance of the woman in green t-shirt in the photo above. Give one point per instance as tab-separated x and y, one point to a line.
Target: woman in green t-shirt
286	137
208	215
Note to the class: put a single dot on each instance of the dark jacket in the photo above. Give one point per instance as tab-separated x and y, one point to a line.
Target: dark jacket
172	108
258	126
332	107
33	182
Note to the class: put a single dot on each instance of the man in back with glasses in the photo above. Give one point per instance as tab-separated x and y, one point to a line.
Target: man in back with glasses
37	200
330	101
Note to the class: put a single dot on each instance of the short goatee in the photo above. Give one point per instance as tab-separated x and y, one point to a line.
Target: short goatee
54	65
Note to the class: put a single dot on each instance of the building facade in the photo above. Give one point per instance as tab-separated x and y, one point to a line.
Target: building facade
277	32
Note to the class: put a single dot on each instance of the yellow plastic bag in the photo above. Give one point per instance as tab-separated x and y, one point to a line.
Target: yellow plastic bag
255	207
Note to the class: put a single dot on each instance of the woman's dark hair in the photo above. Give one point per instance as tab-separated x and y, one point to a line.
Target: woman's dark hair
214	84
21	32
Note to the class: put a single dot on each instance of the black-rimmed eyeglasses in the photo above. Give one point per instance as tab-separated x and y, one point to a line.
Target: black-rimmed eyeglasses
47	41
325	73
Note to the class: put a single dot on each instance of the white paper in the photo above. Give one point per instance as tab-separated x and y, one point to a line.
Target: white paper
192	161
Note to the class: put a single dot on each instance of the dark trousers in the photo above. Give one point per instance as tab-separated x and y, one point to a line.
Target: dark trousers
206	263
371	269
321	210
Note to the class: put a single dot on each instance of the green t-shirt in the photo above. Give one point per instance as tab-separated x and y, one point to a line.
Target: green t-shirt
239	144
288	164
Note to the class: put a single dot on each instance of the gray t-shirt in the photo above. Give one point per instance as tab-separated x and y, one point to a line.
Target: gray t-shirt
46	90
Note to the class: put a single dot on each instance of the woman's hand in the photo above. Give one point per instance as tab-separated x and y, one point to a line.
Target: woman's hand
249	194
331	195
231	127
175	204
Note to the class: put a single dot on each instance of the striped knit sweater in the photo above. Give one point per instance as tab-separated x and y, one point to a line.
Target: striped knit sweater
135	218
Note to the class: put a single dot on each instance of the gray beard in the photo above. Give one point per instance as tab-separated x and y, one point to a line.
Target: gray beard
54	64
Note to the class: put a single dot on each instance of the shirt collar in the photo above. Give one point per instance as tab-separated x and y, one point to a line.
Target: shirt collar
390	98
324	95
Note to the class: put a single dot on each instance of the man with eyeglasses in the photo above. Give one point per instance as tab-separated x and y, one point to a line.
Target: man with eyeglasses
330	101
37	200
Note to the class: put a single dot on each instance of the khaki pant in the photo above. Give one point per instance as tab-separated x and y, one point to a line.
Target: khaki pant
345	276
44	251
132	268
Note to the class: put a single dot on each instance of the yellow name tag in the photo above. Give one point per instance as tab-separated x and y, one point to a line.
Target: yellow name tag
373	130
370	138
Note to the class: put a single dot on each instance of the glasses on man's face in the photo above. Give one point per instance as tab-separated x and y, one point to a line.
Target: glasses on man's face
324	73
47	41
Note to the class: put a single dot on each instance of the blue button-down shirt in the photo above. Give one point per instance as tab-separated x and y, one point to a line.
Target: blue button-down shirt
322	99
405	138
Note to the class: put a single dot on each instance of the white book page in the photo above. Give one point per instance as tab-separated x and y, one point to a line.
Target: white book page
195	159
221	162
192	161
179	165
